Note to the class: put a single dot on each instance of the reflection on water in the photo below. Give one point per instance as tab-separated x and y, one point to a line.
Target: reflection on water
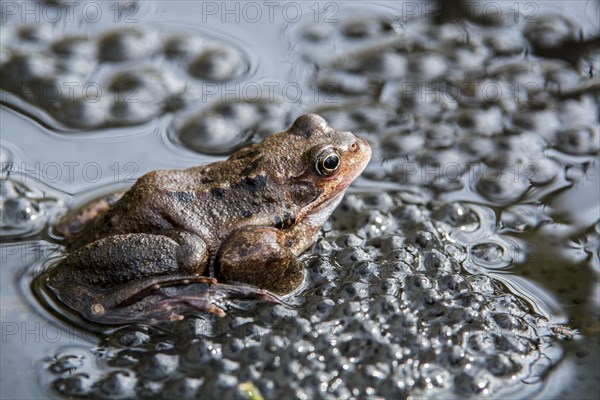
482	211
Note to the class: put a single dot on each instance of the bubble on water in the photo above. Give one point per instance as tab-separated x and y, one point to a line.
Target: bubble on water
502	186
458	216
525	217
24	210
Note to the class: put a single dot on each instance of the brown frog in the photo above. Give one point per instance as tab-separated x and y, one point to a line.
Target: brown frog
170	240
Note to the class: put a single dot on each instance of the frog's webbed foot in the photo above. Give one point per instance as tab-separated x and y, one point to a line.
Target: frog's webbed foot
181	288
153	298
210	300
138	290
173	297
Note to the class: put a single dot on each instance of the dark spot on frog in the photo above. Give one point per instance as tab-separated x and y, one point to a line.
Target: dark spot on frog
251	168
289	219
217	192
206	180
306	132
288	242
245	154
304	125
254	184
285	222
279	223
184	197
305	193
246	213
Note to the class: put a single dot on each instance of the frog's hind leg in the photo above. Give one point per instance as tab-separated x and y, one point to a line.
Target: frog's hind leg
119	259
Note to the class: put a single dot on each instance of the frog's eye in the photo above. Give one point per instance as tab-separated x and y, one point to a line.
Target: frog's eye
328	162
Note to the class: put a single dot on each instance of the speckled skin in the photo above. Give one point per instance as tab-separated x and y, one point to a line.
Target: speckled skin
244	220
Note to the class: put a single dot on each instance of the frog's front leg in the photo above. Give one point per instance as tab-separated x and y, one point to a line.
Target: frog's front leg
259	256
124	258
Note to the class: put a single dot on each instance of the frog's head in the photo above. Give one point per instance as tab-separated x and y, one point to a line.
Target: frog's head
309	166
317	162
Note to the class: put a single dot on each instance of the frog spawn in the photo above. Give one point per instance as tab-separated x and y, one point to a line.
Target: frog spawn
229	125
214	356
487	129
58	73
389	310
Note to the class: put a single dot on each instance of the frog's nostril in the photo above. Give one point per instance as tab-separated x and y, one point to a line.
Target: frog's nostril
354	147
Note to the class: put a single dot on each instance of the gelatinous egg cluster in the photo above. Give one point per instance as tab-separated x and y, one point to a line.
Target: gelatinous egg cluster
388	310
115	78
450	112
407	291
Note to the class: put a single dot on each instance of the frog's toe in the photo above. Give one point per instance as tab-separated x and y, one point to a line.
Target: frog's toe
176	307
247	292
75	220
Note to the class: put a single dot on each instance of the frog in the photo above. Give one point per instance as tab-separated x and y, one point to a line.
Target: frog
230	229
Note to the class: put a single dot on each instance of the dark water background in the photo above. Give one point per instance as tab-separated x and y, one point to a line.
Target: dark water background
68	160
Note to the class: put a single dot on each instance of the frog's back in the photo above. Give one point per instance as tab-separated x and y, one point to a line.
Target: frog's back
140	209
198	200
